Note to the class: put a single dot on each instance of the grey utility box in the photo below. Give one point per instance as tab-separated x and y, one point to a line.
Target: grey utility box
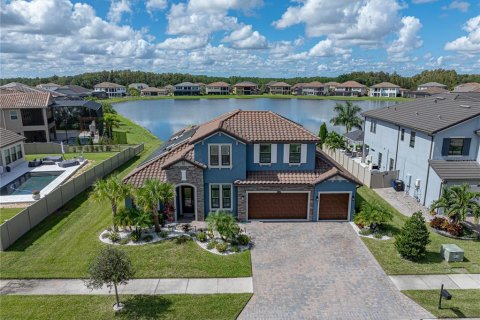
451	253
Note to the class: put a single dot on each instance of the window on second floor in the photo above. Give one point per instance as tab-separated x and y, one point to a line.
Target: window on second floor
373	126
265	153
456	146
412	139
402	135
220	155
295	153
13	115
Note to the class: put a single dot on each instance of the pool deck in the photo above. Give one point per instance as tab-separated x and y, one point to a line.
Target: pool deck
23	168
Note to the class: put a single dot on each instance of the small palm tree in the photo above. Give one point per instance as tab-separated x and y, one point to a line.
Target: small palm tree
334	141
113	190
110	121
151	194
167	196
457	202
348	116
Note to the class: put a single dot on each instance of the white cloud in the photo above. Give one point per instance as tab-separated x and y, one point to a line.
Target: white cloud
184	43
469	44
462	6
153	5
408	39
117	9
423	1
246	38
328	48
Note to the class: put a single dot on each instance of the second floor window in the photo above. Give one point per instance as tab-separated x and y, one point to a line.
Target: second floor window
265	153
402	135
13	115
220	155
373	126
295	153
457	146
412	139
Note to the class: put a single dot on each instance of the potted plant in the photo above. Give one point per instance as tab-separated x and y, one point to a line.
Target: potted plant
36	194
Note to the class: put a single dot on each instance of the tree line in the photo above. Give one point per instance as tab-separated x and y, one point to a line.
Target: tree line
125	77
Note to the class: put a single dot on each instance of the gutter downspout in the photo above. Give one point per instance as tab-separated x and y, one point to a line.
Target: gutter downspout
396	150
428	171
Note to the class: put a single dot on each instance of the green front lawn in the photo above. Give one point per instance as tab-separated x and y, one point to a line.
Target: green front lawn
217	306
392	263
8	213
64	244
464	303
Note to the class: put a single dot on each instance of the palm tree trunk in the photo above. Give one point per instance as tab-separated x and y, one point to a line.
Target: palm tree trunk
156	221
114	213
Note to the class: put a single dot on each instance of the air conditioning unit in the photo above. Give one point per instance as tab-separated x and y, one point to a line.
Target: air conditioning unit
417	184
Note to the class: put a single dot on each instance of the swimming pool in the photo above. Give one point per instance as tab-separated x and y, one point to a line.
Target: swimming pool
29	182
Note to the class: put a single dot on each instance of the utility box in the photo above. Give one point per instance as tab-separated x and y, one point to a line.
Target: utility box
451	253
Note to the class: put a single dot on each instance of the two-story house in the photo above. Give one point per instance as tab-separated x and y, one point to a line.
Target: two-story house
28	114
385	89
432	142
275	87
12	152
111	89
351	88
245	88
313	88
428	85
220	87
257	165
187	89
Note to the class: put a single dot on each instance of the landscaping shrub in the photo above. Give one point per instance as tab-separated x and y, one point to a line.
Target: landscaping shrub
148	238
124	241
366	232
222	247
211	244
163	234
202	236
455	229
372	214
378	235
224	223
243	239
114	236
182	239
235	249
186	227
136	235
413	239
438	223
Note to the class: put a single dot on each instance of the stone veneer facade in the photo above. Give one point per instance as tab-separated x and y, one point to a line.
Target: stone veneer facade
194	177
242	196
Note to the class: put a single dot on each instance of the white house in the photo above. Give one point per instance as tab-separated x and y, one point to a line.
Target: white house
12	152
111	89
220	87
385	89
138	86
351	88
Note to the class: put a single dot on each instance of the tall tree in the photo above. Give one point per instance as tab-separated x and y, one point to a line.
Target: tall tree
322	134
348	115
457	202
110	121
152	194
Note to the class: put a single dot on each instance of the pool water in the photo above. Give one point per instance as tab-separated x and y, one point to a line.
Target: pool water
29	182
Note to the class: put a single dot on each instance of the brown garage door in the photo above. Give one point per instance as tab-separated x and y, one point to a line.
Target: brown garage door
277	205
333	206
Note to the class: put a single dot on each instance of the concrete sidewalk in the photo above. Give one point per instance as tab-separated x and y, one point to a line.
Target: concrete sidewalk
434	282
136	286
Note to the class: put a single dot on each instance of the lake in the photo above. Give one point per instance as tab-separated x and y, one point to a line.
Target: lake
167	116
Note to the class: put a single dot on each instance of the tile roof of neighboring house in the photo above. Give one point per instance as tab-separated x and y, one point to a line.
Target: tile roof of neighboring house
187	84
278	84
299	85
73	90
153	89
456	170
431	114
355	135
20	87
218	84
432	84
77	103
351	84
246	84
26	100
137	84
467	87
8	137
50	84
430	91
313	84
332	83
108	85
385	85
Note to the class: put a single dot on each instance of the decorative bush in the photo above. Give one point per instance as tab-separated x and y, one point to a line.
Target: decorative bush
186	227
114	236
243	239
413	239
372	214
235	249
211	244
148	238
182	239
202	236
438	223
124	241
222	247
366	232
455	229
163	234
224	223
378	235
136	235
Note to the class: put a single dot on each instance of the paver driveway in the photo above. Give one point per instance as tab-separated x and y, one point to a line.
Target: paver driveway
320	271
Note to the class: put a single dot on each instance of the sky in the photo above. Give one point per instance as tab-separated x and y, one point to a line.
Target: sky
264	38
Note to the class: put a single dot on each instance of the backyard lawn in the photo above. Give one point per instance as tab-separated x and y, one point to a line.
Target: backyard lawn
216	306
393	264
7	213
464	303
93	156
64	244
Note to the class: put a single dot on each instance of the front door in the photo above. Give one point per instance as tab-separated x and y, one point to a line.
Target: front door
188	201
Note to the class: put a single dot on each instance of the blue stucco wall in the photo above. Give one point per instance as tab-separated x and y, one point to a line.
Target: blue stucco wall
333	185
310	165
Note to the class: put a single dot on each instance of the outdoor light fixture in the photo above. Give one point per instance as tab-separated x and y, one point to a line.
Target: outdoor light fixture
443	294
243	197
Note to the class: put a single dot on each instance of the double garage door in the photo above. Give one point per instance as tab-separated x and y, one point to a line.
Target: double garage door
290	206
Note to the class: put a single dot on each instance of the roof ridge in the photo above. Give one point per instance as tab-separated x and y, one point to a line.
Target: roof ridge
235	112
293	122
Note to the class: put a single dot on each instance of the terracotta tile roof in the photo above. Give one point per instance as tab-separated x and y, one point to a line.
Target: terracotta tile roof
246	84
278	84
8	137
108	85
26	100
332	83
153	89
218	84
351	84
385	85
313	84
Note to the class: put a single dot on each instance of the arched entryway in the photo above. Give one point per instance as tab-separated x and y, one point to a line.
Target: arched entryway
185	202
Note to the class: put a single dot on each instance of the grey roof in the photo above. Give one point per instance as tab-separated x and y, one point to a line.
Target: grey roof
8	137
355	135
77	103
432	84
456	170
431	114
187	84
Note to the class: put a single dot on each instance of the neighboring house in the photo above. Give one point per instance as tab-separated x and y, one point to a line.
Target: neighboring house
257	165
151	91
432	142
11	149
48	86
278	87
17	87
468	87
245	88
297	88
29	114
74	91
331	86
354	138
170	89
429	85
220	88
111	89
138	86
425	93
314	88
385	89
202	87
187	89
351	88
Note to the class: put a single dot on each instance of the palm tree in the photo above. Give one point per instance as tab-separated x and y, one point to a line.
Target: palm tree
151	194
334	141
110	121
113	190
458	201
348	116
167	196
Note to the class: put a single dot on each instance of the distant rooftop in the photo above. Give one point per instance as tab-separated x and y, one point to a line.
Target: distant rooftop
385	85
432	84
108	85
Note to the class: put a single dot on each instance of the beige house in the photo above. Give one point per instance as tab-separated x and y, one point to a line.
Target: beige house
11	149
245	88
152	91
111	89
313	88
278	88
351	88
28	114
220	87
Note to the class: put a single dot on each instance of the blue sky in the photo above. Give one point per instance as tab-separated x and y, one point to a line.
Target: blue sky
239	37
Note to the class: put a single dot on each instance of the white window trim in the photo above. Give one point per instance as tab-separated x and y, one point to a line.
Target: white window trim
219	166
303	154
259	156
221	196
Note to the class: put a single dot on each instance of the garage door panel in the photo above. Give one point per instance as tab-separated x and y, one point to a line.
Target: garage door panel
333	206
277	205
